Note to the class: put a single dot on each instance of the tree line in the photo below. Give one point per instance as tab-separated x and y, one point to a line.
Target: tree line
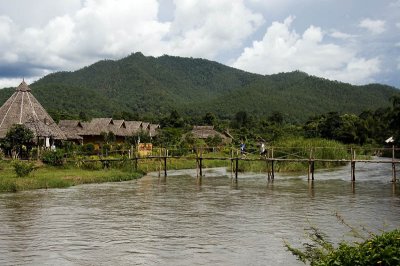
368	128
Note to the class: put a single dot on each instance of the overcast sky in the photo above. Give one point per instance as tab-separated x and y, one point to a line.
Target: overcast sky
355	41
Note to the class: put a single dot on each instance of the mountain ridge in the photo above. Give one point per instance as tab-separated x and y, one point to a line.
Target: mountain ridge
154	86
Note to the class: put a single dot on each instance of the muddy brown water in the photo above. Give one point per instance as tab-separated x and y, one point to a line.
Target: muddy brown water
177	221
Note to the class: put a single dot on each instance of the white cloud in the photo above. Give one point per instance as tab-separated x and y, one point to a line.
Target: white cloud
14	82
100	29
47	35
108	29
282	50
341	35
374	26
203	30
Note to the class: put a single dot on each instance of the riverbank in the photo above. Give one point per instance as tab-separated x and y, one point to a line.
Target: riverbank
44	177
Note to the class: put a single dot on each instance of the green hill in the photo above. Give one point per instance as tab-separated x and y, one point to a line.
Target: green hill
154	86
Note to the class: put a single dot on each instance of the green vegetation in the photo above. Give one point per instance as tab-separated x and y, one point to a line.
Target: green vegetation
53	158
381	249
18	141
294	114
152	87
23	169
59	177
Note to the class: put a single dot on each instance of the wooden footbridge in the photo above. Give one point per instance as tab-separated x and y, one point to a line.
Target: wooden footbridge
235	159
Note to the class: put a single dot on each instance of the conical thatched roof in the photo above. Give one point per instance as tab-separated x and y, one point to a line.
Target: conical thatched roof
23	108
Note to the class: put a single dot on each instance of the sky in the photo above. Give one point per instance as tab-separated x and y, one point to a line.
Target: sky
353	41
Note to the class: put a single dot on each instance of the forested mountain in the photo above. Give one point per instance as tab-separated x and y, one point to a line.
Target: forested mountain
154	86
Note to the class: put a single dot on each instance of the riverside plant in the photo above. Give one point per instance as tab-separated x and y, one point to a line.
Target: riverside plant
383	249
23	169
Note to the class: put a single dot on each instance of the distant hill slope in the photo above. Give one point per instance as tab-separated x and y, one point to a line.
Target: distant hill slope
155	86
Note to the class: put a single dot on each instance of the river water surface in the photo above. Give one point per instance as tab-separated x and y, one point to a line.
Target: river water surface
177	221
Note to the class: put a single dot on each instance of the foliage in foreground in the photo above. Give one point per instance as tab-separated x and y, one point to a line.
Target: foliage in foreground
381	249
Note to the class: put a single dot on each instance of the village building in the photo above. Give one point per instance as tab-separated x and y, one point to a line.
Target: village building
95	130
23	108
72	130
204	132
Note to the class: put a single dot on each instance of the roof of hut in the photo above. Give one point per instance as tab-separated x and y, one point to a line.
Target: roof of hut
119	123
23	108
203	132
153	129
119	128
71	128
133	127
98	125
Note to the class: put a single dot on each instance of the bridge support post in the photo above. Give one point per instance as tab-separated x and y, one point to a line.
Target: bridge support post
201	166
272	169
236	169
165	166
311	168
353	165
393	166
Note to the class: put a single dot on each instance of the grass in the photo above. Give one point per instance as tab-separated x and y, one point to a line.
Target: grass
59	177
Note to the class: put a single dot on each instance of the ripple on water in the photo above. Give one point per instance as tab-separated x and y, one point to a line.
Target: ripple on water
178	222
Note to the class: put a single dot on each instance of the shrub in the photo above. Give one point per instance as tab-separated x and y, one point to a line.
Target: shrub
88	148
92	166
23	169
54	158
381	249
378	250
106	149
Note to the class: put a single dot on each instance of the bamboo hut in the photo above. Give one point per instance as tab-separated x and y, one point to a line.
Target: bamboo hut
24	109
72	130
204	132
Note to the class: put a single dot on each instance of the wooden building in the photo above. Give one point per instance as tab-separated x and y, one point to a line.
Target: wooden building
204	132
24	109
93	131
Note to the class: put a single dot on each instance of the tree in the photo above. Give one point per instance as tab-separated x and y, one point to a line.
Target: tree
108	137
18	141
214	141
174	120
168	137
276	118
330	125
83	116
394	118
241	119
209	119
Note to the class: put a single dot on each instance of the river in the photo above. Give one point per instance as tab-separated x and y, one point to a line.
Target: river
152	221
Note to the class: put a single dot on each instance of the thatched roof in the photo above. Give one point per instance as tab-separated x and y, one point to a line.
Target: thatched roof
72	128
153	129
133	127
203	132
98	125
23	108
